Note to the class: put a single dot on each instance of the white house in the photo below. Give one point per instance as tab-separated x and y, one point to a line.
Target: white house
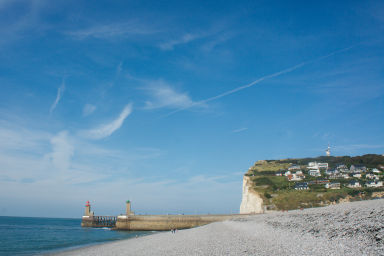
354	184
376	171
323	165
294	177
287	173
333	185
372	176
294	167
358	168
357	175
331	171
374	184
314	172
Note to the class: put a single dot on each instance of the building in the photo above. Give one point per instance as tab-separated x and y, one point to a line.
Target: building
331	171
333	185
301	186
375	170
341	166
338	176
356	175
374	184
316	165
357	168
371	176
314	172
294	167
287	173
316	182
295	177
354	184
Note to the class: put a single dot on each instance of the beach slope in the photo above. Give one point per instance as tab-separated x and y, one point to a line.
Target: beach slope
355	228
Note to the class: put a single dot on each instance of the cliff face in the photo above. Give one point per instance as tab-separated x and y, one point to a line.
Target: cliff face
251	201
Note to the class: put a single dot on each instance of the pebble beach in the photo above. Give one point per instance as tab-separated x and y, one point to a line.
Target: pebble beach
355	228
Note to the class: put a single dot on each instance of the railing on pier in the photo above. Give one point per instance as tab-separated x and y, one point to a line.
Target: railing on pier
103	221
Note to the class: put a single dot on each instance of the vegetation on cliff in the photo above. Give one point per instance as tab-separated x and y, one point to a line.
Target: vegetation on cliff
278	192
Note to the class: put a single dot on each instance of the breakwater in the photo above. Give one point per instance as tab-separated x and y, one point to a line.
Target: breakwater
133	222
152	222
166	222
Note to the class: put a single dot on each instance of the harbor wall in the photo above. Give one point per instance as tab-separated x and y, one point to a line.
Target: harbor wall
166	222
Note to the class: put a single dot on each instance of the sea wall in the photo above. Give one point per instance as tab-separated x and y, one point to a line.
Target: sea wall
251	201
166	222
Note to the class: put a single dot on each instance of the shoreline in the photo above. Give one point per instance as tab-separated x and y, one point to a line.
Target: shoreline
354	228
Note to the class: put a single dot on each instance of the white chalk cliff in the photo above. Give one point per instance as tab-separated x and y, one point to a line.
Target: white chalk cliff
251	201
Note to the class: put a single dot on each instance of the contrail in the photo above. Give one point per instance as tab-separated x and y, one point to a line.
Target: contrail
282	72
60	92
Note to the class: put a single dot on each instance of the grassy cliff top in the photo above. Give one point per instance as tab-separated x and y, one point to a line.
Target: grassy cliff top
369	160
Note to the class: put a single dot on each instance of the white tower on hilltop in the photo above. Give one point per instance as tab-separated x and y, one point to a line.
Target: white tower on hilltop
328	151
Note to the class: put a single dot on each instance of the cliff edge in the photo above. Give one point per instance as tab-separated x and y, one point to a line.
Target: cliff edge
251	201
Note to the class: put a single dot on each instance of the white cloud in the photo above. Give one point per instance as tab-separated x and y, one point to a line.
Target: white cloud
60	92
109	31
240	130
88	109
106	130
163	95
62	151
170	45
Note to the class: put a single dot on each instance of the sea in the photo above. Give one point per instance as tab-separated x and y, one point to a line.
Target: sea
39	236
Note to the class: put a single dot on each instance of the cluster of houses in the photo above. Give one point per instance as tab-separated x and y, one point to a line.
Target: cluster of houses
315	169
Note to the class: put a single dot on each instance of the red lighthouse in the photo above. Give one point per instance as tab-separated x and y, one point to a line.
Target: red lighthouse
88	209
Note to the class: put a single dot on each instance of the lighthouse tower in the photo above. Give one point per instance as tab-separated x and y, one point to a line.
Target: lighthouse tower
328	151
88	209
128	209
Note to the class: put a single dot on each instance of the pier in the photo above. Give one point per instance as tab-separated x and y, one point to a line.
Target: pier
99	221
133	222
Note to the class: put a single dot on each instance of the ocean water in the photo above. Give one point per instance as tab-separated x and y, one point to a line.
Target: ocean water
35	236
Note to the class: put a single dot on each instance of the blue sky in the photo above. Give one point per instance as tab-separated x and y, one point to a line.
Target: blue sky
169	103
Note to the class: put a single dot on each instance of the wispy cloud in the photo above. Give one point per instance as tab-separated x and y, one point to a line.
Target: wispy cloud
88	109
163	95
240	130
276	74
109	31
63	151
60	92
170	45
106	130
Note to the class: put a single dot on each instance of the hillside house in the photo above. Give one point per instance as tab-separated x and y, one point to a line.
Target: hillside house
356	175
354	184
301	186
374	184
375	170
287	173
341	166
294	167
316	182
339	176
357	168
314	172
371	176
316	165
333	185
331	172
294	177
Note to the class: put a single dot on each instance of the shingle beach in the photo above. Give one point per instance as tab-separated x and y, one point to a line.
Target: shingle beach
355	228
